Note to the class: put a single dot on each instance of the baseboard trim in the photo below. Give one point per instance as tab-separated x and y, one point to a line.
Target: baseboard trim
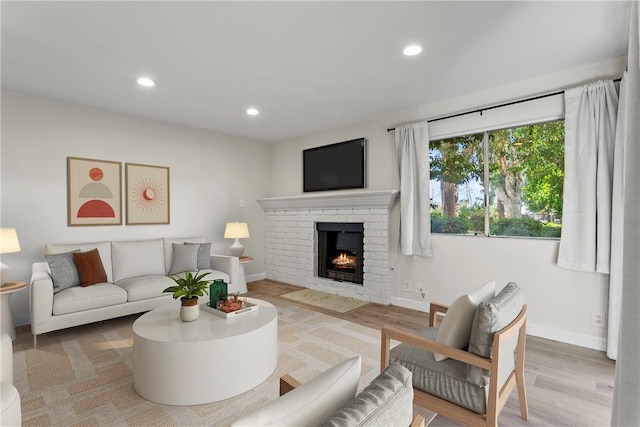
567	337
411	304
256	277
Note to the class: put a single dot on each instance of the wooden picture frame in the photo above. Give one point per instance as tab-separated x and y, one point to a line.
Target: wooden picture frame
94	192
147	194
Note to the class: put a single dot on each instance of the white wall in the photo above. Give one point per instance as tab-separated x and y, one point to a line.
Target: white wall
209	174
560	301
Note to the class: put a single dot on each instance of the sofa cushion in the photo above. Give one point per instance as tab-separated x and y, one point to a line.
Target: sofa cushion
455	329
137	258
63	271
76	299
90	269
387	401
145	287
313	402
185	258
446	379
491	316
204	254
167	244
104	248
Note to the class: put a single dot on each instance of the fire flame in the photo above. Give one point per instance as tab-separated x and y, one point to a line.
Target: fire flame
344	261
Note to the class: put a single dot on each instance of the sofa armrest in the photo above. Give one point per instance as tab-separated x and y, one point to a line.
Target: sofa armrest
40	296
228	264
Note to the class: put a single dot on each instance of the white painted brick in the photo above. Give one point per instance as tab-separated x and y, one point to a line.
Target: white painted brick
372	233
376	240
375	226
375	248
361	211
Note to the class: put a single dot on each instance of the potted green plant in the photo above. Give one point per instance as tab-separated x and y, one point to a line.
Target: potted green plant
188	289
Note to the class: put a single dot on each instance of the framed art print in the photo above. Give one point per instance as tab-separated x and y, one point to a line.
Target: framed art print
94	192
147	194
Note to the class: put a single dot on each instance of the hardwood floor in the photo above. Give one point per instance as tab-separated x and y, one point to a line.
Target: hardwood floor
566	385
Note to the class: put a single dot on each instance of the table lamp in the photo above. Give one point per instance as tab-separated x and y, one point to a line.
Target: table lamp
8	244
236	230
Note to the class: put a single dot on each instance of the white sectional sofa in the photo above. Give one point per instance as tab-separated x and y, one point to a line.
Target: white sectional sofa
136	274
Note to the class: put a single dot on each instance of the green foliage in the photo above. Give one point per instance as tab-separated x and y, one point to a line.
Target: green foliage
528	227
189	286
451	225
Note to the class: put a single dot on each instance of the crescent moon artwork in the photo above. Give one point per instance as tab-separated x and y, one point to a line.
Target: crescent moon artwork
147	194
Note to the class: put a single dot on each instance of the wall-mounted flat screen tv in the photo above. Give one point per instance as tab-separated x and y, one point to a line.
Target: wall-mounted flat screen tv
337	166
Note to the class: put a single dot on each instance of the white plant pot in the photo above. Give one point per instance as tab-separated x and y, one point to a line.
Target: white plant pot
189	313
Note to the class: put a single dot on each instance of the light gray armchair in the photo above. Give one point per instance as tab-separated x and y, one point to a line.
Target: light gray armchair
10	411
472	385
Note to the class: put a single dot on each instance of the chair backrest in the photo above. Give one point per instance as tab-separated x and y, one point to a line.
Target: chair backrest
491	317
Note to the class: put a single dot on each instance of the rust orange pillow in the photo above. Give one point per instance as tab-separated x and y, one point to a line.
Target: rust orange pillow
90	268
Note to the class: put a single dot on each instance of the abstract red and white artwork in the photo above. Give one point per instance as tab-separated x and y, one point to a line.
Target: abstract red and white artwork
147	194
94	192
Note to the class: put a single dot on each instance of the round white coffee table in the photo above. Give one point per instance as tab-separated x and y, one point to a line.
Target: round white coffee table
207	360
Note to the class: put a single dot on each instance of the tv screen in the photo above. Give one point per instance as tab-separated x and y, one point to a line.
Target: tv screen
334	167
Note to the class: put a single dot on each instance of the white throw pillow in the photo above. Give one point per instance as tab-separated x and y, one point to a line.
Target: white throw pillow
313	402
455	329
137	258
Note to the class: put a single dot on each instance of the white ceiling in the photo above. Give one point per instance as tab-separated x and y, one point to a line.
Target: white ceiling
308	66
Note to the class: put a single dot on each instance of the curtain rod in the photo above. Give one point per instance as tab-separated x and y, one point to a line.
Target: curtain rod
506	104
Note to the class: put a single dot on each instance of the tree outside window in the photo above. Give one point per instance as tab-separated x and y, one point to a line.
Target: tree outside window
524	179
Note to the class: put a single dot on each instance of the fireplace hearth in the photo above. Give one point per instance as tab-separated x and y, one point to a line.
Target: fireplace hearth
341	251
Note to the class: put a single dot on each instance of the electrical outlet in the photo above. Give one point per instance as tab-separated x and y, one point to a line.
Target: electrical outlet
598	320
407	286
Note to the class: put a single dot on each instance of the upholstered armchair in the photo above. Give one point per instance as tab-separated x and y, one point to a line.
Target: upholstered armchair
467	368
330	400
10	410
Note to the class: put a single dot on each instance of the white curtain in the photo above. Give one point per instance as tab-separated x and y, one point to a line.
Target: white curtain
617	229
590	123
626	396
412	147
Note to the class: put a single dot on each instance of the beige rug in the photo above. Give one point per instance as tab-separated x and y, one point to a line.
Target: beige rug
82	376
334	303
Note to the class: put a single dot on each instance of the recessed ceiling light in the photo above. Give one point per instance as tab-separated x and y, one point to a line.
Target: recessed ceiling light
146	82
252	112
412	50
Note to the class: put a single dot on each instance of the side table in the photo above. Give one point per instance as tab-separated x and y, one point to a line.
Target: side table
6	319
243	278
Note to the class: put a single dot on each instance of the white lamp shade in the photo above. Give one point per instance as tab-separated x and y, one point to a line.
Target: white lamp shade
236	230
9	241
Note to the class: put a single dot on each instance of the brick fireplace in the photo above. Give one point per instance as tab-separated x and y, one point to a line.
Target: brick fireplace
291	240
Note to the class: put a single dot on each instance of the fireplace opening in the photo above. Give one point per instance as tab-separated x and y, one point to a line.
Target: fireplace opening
340	251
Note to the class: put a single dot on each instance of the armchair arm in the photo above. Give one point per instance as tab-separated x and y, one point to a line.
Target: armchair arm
228	264
288	383
392	332
434	309
40	296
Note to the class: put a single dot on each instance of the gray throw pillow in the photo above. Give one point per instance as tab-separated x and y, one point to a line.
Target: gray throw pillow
185	258
64	271
204	255
387	401
492	316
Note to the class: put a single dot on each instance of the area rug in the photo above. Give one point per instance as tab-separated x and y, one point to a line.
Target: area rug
82	376
325	301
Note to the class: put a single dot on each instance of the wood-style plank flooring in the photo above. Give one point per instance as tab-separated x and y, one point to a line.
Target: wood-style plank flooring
566	385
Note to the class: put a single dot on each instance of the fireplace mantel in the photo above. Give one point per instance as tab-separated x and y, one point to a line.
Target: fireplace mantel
383	199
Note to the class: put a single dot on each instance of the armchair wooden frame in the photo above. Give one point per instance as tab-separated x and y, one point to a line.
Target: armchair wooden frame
288	383
497	398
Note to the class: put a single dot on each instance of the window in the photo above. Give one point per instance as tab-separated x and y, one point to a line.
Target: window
518	192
